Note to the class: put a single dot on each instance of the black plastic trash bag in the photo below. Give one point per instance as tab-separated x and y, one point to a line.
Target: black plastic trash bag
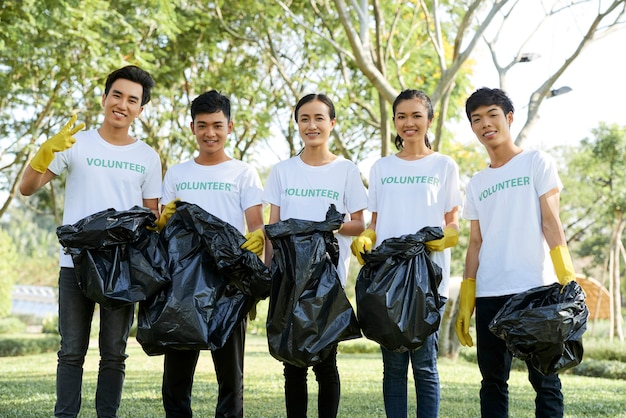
396	292
214	285
309	311
116	259
544	326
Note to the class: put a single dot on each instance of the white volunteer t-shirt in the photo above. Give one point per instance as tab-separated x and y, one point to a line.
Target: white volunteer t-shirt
410	195
514	255
102	176
224	190
306	192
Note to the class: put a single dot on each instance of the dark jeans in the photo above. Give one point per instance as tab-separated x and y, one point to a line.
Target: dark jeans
425	374
296	393
494	361
75	315
180	366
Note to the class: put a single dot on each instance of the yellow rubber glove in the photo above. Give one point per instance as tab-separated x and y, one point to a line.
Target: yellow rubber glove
166	214
562	264
252	311
467	302
255	242
450	239
60	142
363	243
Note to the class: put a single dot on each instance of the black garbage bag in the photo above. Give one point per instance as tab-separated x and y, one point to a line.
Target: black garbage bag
544	326
396	292
214	285
309	311
117	260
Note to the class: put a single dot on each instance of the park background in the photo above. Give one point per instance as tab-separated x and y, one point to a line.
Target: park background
265	55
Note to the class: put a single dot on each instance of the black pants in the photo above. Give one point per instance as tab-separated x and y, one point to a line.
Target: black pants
296	393
180	366
494	361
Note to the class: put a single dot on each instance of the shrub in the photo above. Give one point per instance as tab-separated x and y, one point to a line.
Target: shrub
601	359
608	369
8	272
26	345
604	349
360	345
11	325
50	325
257	326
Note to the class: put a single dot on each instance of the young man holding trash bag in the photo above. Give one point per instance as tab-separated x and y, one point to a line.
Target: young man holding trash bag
513	207
230	190
107	168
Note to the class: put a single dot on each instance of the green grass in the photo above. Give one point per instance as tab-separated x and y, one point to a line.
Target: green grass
27	387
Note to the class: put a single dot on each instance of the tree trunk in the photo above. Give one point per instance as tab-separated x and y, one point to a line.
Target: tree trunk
616	294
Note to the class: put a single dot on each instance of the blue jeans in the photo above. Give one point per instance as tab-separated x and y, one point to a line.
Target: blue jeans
494	361
75	315
425	373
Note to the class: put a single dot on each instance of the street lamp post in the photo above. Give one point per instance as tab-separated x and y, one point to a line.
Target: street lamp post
528	57
559	91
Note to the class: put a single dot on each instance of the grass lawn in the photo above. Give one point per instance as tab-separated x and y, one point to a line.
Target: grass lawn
27	387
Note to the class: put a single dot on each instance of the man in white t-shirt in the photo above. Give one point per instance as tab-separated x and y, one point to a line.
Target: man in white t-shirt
516	243
231	190
106	168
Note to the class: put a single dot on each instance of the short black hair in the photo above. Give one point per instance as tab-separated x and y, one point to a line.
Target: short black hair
134	74
485	96
210	102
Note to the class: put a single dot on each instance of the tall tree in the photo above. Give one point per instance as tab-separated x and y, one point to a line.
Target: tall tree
55	55
595	212
263	55
592	19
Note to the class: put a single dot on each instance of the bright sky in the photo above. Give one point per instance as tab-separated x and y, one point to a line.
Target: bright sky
596	78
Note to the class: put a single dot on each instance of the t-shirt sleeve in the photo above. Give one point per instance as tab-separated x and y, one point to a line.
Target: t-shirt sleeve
60	162
545	173
372	203
152	184
271	192
356	194
251	189
469	209
453	192
169	192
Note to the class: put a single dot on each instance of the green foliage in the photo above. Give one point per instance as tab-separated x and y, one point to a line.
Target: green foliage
601	161
604	349
607	369
8	268
21	345
34	239
358	346
594	195
11	325
57	54
50	325
33	236
257	326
